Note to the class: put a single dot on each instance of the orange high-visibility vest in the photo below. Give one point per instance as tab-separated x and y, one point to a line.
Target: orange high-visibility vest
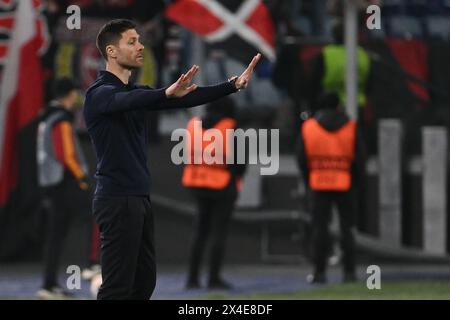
211	176
329	155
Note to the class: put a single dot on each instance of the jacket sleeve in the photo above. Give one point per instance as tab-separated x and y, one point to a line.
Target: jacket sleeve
111	100
65	149
199	96
108	99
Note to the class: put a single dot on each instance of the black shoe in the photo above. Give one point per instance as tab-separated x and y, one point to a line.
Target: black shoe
316	278
350	277
219	284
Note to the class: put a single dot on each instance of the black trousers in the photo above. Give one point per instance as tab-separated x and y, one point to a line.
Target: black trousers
62	204
127	247
212	222
58	215
322	203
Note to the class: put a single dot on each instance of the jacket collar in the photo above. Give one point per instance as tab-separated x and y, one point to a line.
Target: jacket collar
108	77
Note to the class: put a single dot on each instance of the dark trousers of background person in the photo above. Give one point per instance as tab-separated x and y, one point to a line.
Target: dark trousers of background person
59	212
322	204
214	214
127	247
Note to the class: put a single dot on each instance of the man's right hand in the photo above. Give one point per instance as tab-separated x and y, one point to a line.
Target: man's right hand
183	85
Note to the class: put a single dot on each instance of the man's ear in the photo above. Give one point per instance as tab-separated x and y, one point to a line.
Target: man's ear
111	51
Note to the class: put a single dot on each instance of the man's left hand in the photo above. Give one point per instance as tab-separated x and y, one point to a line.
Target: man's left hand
241	82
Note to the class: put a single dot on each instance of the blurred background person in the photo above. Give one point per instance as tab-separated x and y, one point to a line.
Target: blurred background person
61	169
215	188
329	70
331	158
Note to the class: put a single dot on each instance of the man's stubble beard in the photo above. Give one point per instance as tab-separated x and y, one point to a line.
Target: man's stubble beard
129	67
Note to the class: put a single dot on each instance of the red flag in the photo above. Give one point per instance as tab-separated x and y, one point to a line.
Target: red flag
412	57
226	23
21	86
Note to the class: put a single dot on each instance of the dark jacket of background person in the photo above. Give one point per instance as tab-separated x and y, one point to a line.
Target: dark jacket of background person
58	147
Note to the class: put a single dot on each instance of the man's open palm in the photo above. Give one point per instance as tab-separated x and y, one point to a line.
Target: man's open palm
244	78
183	85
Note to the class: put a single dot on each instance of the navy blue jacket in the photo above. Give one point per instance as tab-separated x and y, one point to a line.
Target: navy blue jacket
116	119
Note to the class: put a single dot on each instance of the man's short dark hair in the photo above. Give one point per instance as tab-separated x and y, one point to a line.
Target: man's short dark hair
62	87
111	32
